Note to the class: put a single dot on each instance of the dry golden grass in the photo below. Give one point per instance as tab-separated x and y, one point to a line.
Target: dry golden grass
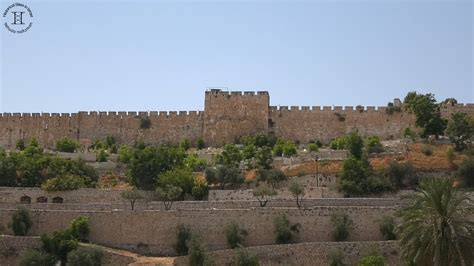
438	161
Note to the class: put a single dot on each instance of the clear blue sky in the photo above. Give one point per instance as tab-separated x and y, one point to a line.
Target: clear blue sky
146	55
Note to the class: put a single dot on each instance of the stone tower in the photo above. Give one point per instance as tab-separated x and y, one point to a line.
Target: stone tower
228	116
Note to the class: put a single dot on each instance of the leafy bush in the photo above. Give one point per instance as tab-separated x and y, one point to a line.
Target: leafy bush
85	257
197	254
466	172
284	232
195	163
224	175
200	190
460	130
64	183
245	258
59	244
182	237
124	154
235	235
357	178
30	257
336	258
79	228
387	228
402	175
185	144
21	222
342	225
149	162
20	144
409	133
200	144
272	177
178	177
373	145
230	156
339	143
372	260
264	157
426	150
101	155
66	144
145	122
312	147
284	148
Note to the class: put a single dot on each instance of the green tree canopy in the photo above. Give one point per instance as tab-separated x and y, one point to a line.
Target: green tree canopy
427	113
460	130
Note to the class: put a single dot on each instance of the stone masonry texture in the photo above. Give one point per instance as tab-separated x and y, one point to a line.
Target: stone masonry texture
226	116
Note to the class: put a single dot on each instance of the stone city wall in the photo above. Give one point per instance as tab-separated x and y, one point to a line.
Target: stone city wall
315	253
154	232
226	116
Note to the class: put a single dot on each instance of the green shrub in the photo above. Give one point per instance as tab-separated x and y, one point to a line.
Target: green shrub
20	144
59	244
200	144
85	257
64	183
235	235
195	163
387	228
32	257
245	258
197	254
66	144
224	175
21	222
283	231
185	144
339	143
427	150
409	133
373	145
178	177
342	225
101	155
401	175
272	177
312	147
182	237
336	258
372	260
199	191
79	228
145	122
284	148
466	172
124	154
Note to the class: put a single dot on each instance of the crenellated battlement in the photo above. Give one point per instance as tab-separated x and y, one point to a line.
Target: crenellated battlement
236	93
104	114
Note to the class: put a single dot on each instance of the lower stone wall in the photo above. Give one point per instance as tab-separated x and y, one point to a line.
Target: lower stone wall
12	246
154	232
316	253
